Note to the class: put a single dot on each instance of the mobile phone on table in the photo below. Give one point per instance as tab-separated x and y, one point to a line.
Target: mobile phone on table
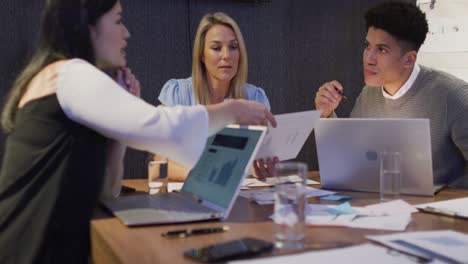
229	250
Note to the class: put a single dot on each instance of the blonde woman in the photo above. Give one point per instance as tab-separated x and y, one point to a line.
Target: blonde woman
219	72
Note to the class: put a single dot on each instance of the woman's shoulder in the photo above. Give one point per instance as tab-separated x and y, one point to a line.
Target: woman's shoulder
251	89
256	93
177	92
180	85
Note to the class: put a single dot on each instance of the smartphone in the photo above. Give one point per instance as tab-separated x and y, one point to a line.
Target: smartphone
229	250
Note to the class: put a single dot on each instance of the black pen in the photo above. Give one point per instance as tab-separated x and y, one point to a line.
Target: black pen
341	93
190	232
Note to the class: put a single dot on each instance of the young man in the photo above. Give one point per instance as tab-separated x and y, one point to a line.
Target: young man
397	87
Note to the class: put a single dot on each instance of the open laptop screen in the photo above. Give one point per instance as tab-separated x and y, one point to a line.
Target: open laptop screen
349	151
222	165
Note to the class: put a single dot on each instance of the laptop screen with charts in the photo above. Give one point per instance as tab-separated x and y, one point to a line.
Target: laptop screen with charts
210	189
348	151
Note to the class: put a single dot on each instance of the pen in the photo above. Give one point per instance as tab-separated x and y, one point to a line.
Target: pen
341	93
191	232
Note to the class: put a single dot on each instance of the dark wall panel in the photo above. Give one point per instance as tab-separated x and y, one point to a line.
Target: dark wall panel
159	49
19	31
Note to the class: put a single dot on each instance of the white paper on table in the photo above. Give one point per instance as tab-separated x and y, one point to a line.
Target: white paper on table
318	214
458	206
291	178
393	222
287	138
394	216
447	243
365	253
396	207
253	182
174	186
267	196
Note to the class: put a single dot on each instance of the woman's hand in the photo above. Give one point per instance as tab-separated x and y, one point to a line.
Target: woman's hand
128	81
251	113
264	168
238	111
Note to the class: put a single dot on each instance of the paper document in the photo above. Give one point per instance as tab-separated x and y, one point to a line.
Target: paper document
253	182
443	245
286	140
395	215
454	207
267	196
365	253
174	186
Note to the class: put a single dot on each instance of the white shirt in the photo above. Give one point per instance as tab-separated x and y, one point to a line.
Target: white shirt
406	86
91	98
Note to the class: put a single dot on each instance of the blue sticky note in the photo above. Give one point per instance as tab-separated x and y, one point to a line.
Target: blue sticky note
335	197
344	208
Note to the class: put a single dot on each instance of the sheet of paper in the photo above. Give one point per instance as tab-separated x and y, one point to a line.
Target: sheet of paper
174	186
253	182
395	215
458	206
266	196
367	253
442	244
291	178
286	140
396	207
344	208
393	222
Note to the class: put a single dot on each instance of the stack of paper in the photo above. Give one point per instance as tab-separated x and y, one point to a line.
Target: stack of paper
267	196
454	207
394	215
268	182
444	245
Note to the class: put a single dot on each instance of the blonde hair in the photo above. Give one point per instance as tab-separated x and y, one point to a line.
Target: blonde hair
199	74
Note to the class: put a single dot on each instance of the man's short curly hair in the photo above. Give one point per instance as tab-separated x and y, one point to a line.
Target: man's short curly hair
404	21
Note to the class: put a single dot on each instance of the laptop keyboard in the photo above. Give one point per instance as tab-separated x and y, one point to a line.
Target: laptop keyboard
162	208
175	203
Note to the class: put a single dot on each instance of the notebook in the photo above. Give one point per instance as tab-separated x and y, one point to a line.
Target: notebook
210	189
348	152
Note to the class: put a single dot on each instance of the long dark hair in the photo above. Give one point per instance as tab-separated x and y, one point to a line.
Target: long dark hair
64	35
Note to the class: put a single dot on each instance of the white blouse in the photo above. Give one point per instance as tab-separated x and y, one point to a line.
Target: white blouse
91	98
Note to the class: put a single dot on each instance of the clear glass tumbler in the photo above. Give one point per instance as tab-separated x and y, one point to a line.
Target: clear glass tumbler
290	205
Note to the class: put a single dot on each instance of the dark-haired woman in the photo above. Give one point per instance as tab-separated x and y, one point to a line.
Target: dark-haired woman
68	124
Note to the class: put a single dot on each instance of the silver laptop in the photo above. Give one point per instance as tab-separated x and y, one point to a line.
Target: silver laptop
348	152
210	189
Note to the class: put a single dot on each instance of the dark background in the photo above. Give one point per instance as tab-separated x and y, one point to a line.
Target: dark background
294	46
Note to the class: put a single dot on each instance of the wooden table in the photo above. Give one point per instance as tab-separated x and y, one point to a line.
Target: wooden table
112	242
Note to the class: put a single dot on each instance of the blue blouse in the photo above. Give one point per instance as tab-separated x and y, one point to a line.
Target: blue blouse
180	92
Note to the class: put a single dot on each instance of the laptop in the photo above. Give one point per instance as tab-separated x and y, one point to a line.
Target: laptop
210	189
348	152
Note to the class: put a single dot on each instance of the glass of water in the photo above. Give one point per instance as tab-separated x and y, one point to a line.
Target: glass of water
157	175
390	176
290	203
